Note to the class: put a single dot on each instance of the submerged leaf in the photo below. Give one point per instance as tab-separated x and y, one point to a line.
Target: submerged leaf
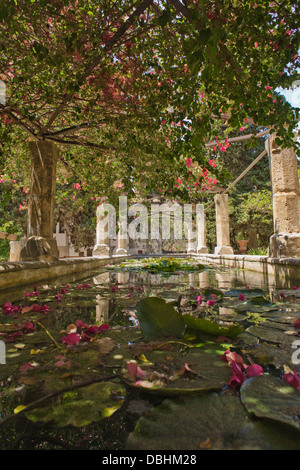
158	318
82	407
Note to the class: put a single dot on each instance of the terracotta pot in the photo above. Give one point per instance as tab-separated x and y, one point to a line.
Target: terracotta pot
243	246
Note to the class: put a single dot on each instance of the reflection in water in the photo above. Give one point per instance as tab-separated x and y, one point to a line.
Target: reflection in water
102	309
225	280
226	311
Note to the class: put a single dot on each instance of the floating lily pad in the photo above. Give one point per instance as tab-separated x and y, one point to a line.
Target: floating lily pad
257	304
158	318
209	422
211	327
83	406
166	373
271	354
272	335
271	398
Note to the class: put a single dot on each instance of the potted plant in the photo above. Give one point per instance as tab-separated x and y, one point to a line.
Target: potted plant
242	242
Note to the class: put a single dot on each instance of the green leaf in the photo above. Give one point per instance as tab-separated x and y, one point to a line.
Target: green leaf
210	327
158	318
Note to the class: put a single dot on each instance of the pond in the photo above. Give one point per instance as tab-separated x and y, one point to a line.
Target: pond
159	354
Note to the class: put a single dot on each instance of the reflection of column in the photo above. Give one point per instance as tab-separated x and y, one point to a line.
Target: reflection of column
192	280
102	309
285	242
102	241
123	278
222	223
203	279
103	278
190	241
201	230
224	280
226	311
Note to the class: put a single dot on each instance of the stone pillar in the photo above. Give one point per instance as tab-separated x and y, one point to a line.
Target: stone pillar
40	243
15	250
285	242
201	230
190	241
222	224
102	240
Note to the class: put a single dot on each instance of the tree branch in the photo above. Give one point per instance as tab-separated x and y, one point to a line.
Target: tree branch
117	36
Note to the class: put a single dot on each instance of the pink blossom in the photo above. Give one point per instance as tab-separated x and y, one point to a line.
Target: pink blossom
237	375
70	339
253	370
292	379
134	371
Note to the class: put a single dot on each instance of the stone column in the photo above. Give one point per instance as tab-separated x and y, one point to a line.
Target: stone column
201	230
122	242
40	243
285	242
102	240
222	224
190	241
15	250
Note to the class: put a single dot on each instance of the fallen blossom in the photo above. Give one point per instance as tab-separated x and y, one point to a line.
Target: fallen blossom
70	339
253	370
134	371
297	323
27	366
292	378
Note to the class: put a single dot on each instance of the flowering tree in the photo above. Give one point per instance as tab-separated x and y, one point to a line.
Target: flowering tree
138	87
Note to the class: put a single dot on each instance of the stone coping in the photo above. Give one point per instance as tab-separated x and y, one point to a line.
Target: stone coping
287	268
19	273
14	274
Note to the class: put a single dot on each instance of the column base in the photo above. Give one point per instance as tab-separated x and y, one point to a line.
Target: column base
39	249
202	249
121	252
101	250
224	250
284	245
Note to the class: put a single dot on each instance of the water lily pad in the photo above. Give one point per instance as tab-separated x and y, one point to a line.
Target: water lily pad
211	327
202	422
158	318
271	398
170	373
256	304
271	354
272	335
83	406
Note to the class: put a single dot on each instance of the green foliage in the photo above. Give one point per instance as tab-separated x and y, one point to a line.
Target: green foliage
4	250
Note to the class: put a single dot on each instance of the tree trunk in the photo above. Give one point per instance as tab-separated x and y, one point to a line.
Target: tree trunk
40	244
